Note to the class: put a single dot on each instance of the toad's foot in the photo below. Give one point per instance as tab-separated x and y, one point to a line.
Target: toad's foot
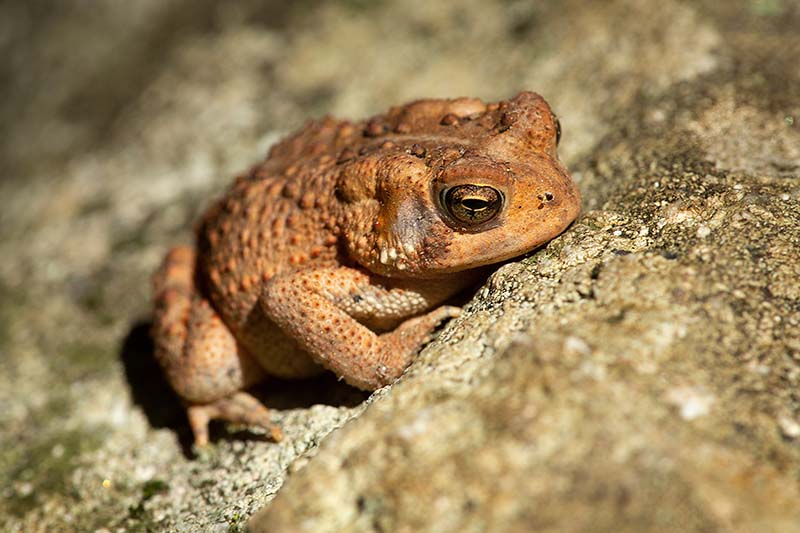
240	408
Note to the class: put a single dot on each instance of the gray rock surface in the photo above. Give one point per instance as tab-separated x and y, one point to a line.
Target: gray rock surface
640	373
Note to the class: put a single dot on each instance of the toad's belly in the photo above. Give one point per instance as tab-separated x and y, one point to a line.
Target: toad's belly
277	353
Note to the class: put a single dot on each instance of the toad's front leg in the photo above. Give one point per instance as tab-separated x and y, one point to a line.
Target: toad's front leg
324	310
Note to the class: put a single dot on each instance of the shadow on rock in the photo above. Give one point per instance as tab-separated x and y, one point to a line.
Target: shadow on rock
150	389
163	408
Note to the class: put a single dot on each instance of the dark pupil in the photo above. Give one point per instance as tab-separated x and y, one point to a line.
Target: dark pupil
474	204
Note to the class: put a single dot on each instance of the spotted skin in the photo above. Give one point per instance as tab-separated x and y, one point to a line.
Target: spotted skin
312	306
338	251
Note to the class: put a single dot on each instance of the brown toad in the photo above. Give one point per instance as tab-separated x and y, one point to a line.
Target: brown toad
338	250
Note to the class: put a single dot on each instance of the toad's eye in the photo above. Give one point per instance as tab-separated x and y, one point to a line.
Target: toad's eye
558	131
472	204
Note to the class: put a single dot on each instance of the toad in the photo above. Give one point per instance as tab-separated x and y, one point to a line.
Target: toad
340	249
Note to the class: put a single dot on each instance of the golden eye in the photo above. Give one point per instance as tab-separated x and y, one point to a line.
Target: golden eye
472	204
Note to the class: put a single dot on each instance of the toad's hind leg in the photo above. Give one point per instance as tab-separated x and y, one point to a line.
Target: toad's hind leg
200	357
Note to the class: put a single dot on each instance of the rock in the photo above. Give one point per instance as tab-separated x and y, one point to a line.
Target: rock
653	367
637	374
